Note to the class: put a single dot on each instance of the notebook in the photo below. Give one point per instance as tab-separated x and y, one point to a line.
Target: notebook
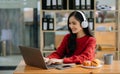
33	57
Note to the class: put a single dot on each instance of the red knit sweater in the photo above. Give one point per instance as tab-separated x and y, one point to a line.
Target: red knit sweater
85	50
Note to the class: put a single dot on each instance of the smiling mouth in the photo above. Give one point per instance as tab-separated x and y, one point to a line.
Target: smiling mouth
73	29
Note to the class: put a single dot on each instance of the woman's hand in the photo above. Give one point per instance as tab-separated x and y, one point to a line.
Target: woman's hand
54	61
46	59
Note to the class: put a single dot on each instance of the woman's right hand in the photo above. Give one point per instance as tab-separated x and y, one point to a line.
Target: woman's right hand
54	61
46	59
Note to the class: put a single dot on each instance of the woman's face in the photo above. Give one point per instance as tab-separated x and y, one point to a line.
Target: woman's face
74	25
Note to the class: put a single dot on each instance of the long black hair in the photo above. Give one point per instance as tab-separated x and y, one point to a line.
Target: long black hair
72	39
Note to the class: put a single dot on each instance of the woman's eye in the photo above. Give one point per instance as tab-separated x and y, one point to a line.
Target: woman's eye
74	23
69	23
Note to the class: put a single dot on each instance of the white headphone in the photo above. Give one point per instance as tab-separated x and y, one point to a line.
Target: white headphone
84	23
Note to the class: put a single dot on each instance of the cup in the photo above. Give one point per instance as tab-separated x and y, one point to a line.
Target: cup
108	59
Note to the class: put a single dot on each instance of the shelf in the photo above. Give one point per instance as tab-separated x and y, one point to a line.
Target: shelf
106	37
108	48
57	10
109	10
49	31
47	51
107	31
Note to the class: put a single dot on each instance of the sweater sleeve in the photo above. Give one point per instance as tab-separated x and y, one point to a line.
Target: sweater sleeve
60	52
87	54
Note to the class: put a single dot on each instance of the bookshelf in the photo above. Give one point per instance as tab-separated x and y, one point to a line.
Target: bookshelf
106	24
103	22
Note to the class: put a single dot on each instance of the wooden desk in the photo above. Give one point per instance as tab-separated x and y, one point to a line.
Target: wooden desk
106	69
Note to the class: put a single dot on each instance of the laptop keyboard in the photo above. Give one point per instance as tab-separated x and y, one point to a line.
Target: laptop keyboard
60	66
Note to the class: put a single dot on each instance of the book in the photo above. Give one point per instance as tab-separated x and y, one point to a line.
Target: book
54	4
64	4
77	4
48	4
83	4
44	4
92	4
87	4
59	4
71	4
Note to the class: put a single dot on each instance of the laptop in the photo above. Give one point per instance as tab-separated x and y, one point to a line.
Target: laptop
33	57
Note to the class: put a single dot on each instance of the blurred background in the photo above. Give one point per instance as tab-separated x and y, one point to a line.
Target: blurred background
19	25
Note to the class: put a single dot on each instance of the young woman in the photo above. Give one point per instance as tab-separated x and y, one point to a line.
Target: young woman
77	46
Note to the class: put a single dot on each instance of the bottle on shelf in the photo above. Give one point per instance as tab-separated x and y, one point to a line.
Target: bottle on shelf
91	21
50	23
44	23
